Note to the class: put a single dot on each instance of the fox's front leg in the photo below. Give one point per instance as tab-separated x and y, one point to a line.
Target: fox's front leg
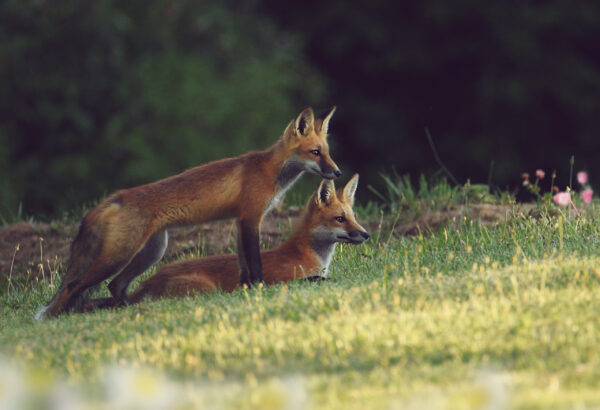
248	245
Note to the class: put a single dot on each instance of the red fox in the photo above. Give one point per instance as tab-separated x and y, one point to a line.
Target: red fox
327	220
127	233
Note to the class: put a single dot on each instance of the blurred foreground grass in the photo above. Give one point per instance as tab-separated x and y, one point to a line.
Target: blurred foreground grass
470	317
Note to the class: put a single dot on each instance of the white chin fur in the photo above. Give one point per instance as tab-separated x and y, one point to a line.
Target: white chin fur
329	235
41	313
312	166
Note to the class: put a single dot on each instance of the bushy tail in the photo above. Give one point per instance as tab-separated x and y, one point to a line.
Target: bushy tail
71	295
140	294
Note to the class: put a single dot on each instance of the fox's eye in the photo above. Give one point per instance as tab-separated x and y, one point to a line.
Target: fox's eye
315	152
340	219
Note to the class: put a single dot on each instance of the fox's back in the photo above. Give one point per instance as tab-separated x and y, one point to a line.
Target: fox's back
208	192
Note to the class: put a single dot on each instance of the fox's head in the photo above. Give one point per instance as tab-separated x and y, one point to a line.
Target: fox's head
306	142
331	216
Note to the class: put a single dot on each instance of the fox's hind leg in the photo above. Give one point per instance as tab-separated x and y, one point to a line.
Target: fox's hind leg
72	292
152	252
107	241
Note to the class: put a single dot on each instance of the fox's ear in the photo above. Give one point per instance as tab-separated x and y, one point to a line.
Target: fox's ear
289	135
302	126
305	123
350	190
325	124
325	192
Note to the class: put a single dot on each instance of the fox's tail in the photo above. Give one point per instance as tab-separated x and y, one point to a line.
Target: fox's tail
71	295
140	294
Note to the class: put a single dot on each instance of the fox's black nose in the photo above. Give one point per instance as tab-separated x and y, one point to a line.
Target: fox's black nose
337	173
364	235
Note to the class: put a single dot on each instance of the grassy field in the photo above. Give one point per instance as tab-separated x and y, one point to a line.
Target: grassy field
473	316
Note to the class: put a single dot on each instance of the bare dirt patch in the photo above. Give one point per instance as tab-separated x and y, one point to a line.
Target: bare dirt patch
432	221
25	246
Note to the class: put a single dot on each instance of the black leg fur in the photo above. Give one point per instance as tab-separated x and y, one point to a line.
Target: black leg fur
152	252
249	254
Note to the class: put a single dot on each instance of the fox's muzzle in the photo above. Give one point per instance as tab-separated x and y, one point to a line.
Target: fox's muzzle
359	236
328	172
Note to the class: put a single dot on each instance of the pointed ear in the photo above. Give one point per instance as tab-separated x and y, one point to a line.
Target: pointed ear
289	135
325	192
300	127
305	123
350	190
325	124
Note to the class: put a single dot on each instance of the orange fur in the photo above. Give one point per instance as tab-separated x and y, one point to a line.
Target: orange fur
295	258
126	233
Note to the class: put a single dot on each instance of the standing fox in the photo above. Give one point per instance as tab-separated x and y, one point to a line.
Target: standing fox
127	233
328	219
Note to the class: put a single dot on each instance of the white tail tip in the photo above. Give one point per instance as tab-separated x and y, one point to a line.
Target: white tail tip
41	313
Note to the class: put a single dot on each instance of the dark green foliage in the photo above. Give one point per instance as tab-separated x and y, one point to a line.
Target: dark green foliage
100	95
513	82
107	94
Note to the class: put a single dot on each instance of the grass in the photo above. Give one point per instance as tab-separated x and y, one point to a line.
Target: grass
471	316
8	216
402	196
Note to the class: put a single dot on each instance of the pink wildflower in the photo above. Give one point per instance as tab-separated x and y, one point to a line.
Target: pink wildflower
539	173
586	195
562	198
582	177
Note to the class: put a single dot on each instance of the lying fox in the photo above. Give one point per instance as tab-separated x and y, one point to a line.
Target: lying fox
127	233
327	220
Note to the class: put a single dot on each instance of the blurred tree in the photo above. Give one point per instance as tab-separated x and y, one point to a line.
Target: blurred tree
517	82
101	95
106	94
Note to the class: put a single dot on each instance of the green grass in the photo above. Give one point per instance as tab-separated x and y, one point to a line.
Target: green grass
432	195
472	315
8	216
